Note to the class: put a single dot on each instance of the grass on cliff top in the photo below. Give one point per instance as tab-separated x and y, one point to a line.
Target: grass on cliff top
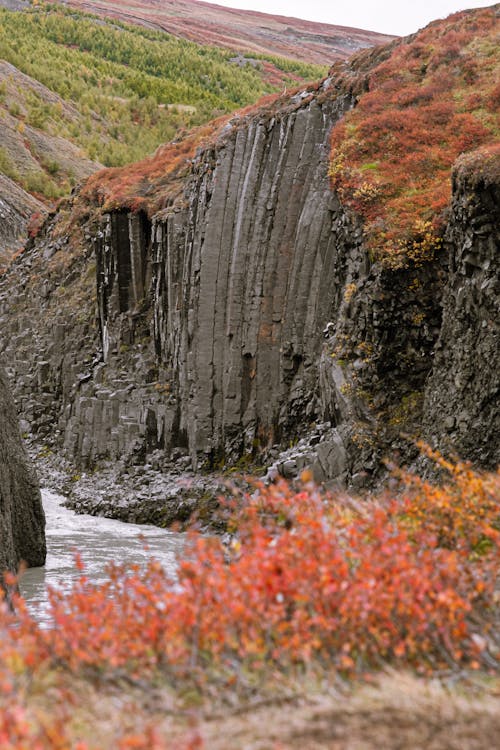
311	589
435	98
121	90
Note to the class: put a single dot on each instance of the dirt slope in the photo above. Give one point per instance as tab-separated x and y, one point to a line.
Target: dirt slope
32	157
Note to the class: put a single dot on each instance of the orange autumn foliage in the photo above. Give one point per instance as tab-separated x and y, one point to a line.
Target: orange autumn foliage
309	578
149	183
434	98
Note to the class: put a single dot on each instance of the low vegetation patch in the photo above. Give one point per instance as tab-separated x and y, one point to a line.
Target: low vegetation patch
310	583
434	98
150	183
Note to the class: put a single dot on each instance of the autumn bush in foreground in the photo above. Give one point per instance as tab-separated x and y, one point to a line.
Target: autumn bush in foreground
434	98
308	579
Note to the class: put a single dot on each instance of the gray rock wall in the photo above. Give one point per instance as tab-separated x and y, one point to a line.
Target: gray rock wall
219	306
463	393
244	288
22	521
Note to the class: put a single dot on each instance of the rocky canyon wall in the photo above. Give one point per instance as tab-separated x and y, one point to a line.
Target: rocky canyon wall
22	521
462	396
240	285
247	316
210	318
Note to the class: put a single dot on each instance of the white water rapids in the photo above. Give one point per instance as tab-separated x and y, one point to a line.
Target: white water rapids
99	541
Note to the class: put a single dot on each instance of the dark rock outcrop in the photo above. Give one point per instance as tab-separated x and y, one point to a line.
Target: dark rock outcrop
463	392
22	520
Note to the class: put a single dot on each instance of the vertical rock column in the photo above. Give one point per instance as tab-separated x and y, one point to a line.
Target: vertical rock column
22	521
463	391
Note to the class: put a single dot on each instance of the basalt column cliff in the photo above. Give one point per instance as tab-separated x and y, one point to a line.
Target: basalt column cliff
240	287
22	520
211	315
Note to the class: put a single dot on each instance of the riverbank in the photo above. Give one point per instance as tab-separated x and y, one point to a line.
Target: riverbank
396	711
165	491
137	493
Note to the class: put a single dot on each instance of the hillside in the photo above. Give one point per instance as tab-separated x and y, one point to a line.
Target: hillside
240	30
39	160
77	92
431	101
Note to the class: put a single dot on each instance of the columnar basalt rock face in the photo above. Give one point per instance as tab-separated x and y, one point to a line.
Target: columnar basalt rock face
244	288
225	297
463	392
22	521
247	313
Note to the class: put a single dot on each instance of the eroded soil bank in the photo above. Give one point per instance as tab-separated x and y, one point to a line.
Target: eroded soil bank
397	712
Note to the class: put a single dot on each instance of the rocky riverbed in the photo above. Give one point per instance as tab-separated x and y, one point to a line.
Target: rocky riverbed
143	494
166	492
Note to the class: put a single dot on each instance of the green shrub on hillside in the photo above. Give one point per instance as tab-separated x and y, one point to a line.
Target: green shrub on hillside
133	88
6	166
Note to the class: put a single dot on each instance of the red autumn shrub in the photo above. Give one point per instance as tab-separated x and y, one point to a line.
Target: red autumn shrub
308	577
434	98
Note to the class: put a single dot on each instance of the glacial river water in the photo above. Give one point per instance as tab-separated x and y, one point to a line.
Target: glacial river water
99	541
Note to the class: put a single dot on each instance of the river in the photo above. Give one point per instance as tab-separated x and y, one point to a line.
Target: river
99	541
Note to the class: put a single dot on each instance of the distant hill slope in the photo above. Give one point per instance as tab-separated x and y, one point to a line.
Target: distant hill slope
78	92
14	4
38	160
241	30
16	208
